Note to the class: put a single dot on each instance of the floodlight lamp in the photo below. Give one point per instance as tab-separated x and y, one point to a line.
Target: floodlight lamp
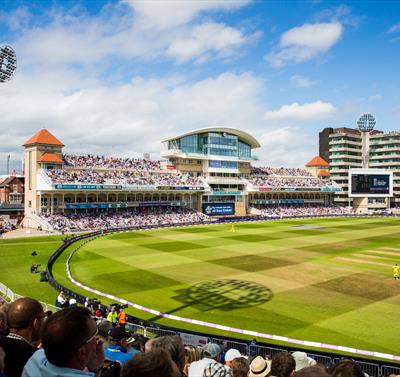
8	63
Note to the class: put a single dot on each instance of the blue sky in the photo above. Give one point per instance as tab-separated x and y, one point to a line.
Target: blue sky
115	77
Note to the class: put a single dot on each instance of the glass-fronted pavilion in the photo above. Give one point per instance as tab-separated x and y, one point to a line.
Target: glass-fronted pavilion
223	156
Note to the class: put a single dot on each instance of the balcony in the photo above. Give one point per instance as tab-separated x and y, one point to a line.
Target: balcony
345	155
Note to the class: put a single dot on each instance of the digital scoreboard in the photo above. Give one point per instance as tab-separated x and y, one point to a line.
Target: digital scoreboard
370	183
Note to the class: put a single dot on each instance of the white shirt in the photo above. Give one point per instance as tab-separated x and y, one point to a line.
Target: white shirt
61	299
196	369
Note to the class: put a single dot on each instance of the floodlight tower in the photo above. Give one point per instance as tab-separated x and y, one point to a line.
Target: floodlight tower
8	63
366	124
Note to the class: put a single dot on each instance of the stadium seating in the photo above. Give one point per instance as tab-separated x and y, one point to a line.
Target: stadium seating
92	161
298	211
135	217
125	178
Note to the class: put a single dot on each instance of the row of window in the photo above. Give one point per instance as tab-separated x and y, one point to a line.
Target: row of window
223	164
212	144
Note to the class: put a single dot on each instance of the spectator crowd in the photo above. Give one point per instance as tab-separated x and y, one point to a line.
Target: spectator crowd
298	211
142	216
275	182
120	177
280	172
81	341
101	162
6	225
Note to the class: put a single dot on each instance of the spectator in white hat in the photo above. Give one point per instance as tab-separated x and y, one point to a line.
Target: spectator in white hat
302	360
230	355
260	367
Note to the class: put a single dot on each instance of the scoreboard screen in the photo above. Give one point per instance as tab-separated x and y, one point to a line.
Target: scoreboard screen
370	184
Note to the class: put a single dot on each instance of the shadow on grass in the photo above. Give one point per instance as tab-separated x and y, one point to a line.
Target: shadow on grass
222	294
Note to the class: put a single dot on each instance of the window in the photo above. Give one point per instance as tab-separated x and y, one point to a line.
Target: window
222	164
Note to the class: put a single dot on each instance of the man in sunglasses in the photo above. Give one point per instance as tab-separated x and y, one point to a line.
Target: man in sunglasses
70	347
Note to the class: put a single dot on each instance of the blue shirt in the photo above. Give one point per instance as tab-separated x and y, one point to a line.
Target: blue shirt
38	365
117	353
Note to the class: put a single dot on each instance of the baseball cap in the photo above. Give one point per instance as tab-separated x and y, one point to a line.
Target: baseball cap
212	350
232	354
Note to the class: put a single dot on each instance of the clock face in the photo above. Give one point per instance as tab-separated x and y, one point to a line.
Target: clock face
366	123
8	63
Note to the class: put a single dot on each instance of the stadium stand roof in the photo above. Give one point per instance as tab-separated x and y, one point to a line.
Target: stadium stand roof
233	131
317	161
43	137
51	157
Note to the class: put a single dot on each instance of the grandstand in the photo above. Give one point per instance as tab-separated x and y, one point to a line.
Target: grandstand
205	173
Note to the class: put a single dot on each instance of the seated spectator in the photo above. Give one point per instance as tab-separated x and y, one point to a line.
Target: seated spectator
211	353
174	347
2	357
3	324
61	301
260	367
104	327
347	368
240	367
191	354
151	364
25	318
230	355
215	369
119	343
302	360
313	371
283	364
139	344
70	346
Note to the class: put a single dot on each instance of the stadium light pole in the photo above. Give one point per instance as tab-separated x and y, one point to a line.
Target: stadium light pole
8	63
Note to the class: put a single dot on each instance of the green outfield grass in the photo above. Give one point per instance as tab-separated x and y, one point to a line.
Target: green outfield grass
331	284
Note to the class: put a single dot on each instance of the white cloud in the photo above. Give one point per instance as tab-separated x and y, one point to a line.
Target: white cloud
173	13
129	118
308	111
305	42
394	29
133	31
302	81
288	146
205	38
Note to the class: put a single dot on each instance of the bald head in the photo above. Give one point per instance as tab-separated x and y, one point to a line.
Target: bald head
22	312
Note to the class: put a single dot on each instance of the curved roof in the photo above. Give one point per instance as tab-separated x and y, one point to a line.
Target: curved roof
244	136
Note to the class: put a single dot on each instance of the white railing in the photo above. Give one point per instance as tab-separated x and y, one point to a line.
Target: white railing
8	295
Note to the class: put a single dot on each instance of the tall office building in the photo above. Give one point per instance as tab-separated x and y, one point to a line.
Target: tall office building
351	148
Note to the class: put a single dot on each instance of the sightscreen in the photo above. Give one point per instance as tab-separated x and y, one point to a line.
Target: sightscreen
373	184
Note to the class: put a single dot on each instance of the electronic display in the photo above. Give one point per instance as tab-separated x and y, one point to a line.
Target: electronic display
370	184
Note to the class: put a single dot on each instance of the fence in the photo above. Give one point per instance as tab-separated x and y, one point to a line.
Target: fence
10	296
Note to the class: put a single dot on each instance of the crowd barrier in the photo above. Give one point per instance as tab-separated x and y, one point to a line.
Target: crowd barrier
138	325
10	296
